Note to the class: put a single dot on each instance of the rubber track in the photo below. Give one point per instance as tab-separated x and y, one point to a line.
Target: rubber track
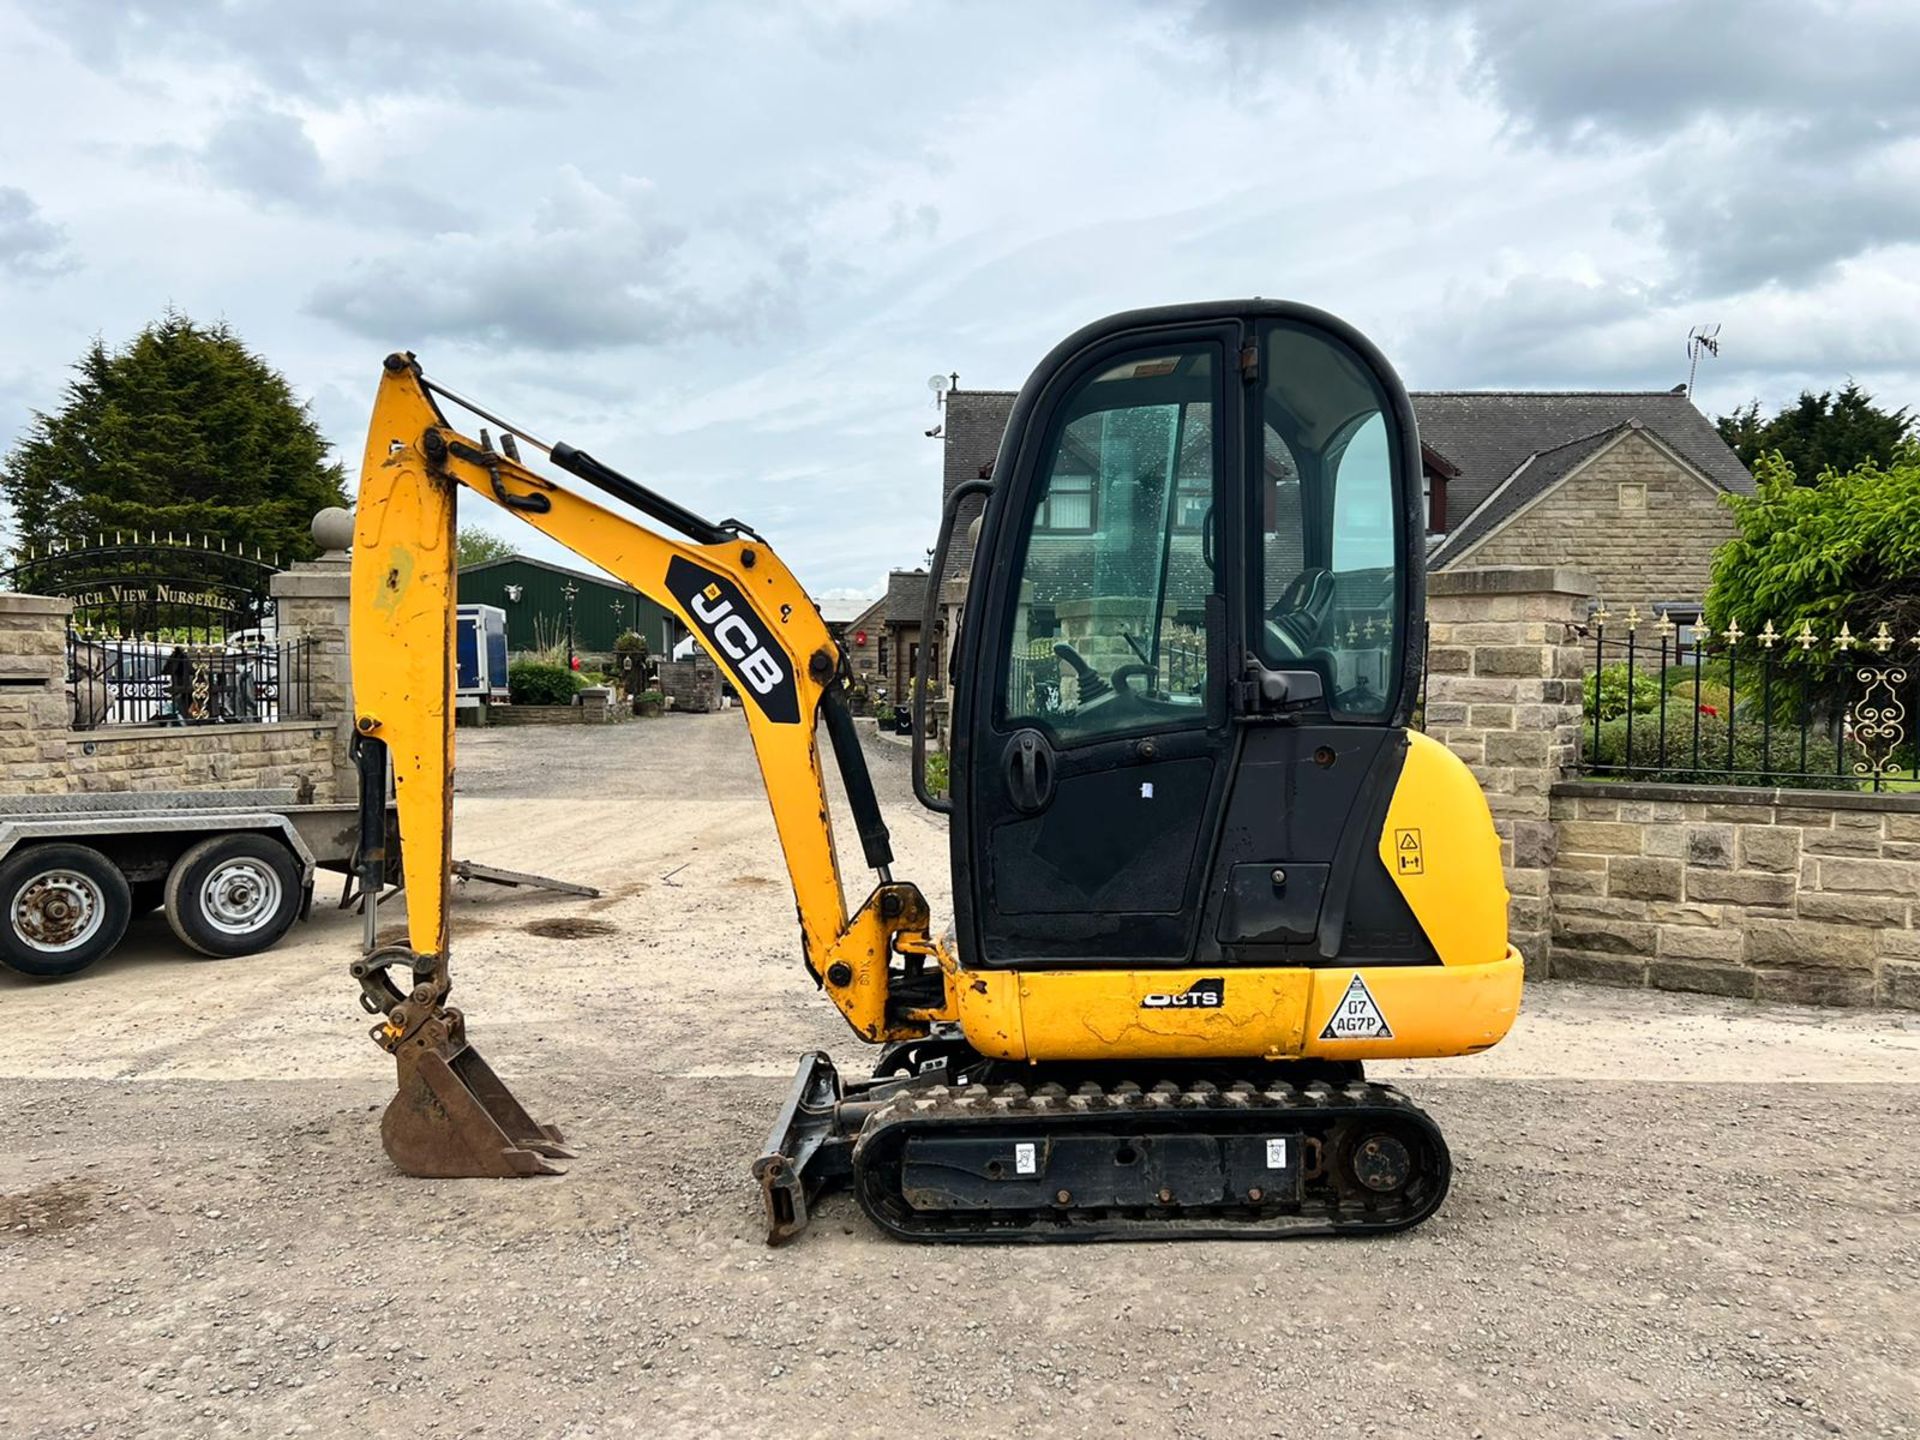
1332	1114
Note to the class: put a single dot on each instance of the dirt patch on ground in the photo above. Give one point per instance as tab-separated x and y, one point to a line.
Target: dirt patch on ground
570	927
51	1209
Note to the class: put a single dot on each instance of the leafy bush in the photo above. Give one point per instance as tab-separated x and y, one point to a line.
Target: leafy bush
1612	687
533	682
1750	746
937	772
650	699
1845	547
883	716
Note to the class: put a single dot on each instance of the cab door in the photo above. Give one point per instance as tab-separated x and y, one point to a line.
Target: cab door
1094	757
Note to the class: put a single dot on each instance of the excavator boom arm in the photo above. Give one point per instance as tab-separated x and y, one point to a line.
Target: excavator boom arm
732	592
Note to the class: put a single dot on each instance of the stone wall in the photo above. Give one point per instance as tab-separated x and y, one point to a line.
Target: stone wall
112	760
42	754
34	708
1778	895
1810	896
691	684
1643	525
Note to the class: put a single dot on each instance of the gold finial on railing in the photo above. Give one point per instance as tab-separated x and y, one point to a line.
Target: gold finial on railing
1664	627
1882	638
1733	634
1844	641
1633	618
1769	637
1603	615
1806	636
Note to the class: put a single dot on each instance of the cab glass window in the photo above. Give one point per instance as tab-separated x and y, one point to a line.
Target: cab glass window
1107	633
1327	522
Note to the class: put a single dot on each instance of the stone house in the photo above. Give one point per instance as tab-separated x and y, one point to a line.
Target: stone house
904	603
863	638
1624	486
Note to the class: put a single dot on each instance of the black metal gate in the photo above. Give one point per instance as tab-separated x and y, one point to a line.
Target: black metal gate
169	630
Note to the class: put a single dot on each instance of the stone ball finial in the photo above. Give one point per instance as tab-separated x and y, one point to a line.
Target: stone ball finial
333	528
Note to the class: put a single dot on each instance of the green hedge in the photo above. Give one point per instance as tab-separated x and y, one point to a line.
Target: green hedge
533	682
1676	764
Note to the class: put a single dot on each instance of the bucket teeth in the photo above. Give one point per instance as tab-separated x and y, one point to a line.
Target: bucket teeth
454	1118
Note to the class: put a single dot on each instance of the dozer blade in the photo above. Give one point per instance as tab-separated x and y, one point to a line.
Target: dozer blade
453	1118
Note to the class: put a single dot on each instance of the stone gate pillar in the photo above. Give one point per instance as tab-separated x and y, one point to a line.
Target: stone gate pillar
311	602
1503	693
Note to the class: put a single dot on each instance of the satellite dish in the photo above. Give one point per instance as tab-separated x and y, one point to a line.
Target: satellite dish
939	384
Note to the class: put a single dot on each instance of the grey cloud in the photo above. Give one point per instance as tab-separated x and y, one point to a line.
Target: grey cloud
1791	217
266	155
1784	120
593	270
1539	332
511	51
31	246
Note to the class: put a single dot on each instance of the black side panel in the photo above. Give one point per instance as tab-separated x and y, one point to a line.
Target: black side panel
1310	800
1095	849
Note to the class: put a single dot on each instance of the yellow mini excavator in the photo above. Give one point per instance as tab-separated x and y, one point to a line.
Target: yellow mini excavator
1202	868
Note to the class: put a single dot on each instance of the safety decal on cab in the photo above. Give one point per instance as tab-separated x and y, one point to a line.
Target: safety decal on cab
730	628
1357	1016
1407	856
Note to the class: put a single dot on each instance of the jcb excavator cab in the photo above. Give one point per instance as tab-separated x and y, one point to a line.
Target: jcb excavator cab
1203	869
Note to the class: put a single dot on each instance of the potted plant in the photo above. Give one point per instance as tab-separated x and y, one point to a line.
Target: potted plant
649	704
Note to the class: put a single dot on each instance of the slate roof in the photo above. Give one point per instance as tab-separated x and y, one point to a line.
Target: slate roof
906	596
1536	437
1537	474
975	421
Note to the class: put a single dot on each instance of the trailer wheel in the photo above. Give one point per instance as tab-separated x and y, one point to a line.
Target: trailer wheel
64	907
233	895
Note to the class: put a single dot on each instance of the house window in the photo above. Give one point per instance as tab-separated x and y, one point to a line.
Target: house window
1191	500
880	648
1068	504
1433	502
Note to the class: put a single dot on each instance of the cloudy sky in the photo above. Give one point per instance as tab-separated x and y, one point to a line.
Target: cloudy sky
724	245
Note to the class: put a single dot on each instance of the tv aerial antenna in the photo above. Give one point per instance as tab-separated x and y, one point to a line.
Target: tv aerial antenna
1701	337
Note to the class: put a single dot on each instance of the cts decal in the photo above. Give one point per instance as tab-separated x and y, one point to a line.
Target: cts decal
1201	995
729	626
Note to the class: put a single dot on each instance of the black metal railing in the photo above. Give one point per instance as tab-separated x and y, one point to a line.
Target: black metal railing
1680	704
114	680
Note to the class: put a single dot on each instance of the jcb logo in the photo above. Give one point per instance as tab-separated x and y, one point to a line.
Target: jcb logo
727	623
733	634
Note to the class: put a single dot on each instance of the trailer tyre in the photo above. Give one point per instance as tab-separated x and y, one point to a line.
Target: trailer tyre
233	895
61	908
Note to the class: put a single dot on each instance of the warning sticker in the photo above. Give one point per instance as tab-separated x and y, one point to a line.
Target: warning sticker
1025	1161
1406	852
1276	1154
1357	1017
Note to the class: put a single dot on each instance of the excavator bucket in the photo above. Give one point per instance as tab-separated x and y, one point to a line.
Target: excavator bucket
453	1118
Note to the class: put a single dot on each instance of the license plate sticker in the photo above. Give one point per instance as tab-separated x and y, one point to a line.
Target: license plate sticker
1025	1160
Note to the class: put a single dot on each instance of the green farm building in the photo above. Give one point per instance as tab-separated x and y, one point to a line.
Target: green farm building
533	594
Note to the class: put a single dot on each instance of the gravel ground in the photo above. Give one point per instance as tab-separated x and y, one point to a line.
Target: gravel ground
1671	1215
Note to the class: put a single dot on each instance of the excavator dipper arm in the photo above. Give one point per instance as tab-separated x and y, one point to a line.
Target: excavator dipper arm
452	1115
